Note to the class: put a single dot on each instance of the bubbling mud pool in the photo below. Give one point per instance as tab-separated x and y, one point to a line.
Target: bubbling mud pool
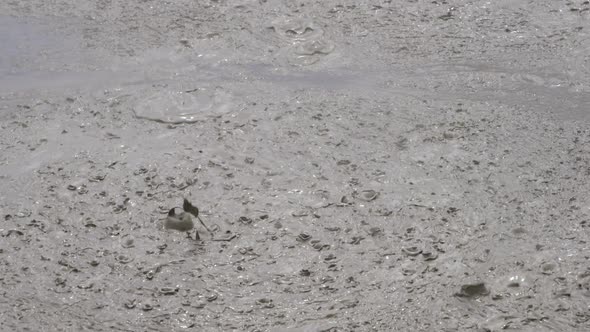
171	106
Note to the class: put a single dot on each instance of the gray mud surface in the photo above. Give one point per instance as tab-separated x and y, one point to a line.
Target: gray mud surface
364	166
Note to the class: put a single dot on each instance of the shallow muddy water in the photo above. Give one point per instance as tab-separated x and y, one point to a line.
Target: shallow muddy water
356	167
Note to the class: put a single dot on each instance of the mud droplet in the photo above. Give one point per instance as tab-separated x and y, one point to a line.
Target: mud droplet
429	256
25	213
265	303
375	231
519	231
128	243
368	195
147	307
300	213
86	285
6	233
89	224
356	240
319	246
330	257
344	201
517	280
412	251
123	259
548	268
182	222
130	304
475	289
562	292
303	237
59	281
245	220
150	274
199	305
168	290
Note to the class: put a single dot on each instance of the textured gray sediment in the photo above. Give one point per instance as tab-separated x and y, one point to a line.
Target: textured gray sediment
361	166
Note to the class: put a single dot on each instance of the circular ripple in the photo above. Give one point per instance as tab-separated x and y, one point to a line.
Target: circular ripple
307	44
296	29
183	106
313	47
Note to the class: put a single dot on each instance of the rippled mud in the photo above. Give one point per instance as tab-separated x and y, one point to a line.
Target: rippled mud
294	166
172	106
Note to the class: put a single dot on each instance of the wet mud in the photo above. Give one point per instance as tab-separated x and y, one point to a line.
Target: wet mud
294	166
